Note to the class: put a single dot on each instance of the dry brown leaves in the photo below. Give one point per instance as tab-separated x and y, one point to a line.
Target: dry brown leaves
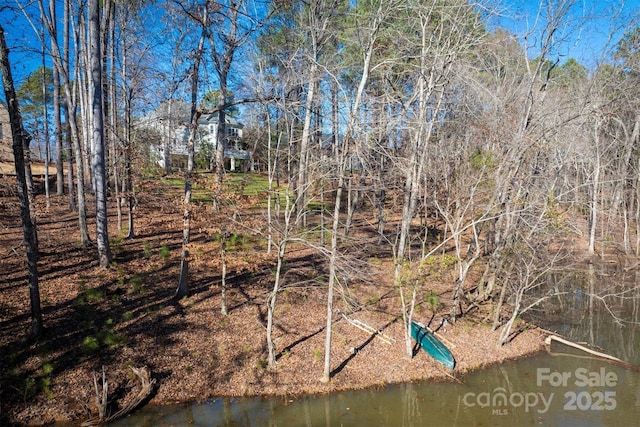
126	316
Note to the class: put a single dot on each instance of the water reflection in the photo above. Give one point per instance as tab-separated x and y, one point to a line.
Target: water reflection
599	305
567	390
507	395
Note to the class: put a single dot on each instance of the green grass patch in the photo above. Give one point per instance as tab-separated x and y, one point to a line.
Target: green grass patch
90	345
253	184
237	240
106	337
136	284
433	302
165	253
317	206
116	244
173	181
147	250
94	295
28	387
202	197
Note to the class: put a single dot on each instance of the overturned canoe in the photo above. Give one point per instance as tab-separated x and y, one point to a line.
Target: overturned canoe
432	345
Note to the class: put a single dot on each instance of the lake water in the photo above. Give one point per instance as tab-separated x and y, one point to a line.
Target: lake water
544	389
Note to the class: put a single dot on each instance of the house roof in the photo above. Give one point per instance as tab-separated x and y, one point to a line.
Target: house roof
213	118
181	111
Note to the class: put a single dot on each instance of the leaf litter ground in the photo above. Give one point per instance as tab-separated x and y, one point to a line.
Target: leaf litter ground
126	316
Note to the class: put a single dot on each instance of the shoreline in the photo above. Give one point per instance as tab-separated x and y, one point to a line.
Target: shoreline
297	374
442	376
421	368
126	316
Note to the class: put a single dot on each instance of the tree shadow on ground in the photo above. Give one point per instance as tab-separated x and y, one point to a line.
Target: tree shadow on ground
356	350
290	347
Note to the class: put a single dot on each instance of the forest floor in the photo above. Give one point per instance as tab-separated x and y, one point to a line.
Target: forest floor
126	315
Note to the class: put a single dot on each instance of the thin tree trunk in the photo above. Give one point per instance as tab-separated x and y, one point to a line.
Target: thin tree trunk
326	375
183	287
114	153
61	62
303	162
168	138
60	66
223	274
56	112
45	117
343	157
593	209
58	133
97	132
28	228
26	141
70	175
128	187
83	77
271	306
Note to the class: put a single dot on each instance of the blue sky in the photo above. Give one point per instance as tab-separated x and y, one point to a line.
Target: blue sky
593	26
24	46
584	38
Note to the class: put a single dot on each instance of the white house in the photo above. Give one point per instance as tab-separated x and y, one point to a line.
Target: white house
171	121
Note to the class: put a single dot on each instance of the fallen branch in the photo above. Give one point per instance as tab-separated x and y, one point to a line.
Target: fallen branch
146	387
550	338
369	329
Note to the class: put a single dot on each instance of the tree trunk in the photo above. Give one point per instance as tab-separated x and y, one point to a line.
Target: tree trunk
183	288
220	146
58	66
326	375
128	187
57	113
593	206
97	135
45	117
28	228
271	306
343	158
223	274
61	62
114	136
58	133
303	166
166	152
70	175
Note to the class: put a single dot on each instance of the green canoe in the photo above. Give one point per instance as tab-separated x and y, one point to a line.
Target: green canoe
432	345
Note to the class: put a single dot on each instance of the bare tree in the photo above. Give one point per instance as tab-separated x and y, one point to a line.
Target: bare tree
202	19
99	167
19	136
436	49
61	63
377	17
